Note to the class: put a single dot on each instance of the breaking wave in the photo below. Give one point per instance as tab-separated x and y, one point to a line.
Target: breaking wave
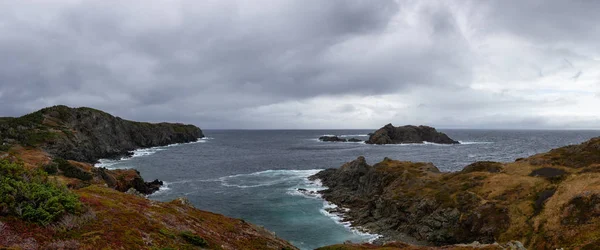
110	163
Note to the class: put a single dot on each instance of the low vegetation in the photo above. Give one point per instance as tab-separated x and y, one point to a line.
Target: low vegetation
32	196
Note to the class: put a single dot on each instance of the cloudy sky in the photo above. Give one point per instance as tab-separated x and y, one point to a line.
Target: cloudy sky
307	63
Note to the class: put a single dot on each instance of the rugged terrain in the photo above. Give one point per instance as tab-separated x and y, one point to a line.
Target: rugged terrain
86	134
389	134
51	197
546	201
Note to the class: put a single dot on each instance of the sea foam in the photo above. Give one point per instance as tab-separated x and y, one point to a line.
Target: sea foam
110	163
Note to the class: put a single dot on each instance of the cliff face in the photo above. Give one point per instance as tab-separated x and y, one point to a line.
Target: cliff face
389	134
546	201
85	134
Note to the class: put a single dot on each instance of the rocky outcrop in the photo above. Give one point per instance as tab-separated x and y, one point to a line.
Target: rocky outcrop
389	134
337	139
86	135
390	198
331	139
543	201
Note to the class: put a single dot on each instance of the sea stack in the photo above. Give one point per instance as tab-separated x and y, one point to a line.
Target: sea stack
389	134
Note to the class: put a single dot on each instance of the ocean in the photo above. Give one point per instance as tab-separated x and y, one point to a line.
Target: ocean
254	174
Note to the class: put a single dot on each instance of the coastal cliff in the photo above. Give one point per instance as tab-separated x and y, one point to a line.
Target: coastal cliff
86	134
389	134
546	201
52	197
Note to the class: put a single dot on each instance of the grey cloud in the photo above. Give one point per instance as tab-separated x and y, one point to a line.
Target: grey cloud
208	62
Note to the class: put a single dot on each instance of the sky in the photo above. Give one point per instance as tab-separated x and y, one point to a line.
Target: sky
307	64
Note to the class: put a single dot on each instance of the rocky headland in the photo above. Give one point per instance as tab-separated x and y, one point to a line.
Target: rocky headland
52	197
389	134
546	201
86	134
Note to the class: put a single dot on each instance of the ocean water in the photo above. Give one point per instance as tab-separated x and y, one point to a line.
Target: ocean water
254	174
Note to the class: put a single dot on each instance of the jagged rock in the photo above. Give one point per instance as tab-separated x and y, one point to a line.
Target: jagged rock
374	197
389	134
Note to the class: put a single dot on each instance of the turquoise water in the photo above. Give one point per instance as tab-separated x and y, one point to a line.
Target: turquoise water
254	175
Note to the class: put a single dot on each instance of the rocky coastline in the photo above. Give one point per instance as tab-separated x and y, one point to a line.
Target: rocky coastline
389	134
546	201
105	209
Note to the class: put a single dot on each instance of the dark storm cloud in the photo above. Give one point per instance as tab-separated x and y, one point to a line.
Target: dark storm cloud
274	63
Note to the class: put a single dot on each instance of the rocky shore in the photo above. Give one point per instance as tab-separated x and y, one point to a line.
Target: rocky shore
546	201
389	134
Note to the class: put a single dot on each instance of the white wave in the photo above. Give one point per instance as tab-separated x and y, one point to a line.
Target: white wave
312	188
339	219
162	189
354	135
329	135
265	178
474	142
109	163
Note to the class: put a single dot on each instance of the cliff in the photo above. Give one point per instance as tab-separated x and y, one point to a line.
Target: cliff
389	134
85	134
546	201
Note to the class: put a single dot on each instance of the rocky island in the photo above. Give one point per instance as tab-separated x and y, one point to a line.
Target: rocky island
389	134
334	138
546	201
52	197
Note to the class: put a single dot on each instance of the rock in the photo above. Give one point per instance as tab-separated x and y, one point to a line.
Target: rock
354	140
332	139
373	195
514	245
134	192
389	134
183	201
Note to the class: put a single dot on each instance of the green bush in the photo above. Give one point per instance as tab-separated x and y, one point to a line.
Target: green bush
51	168
194	239
70	170
30	195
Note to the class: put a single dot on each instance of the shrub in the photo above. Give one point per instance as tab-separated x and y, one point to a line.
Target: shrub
29	195
71	171
51	168
193	239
